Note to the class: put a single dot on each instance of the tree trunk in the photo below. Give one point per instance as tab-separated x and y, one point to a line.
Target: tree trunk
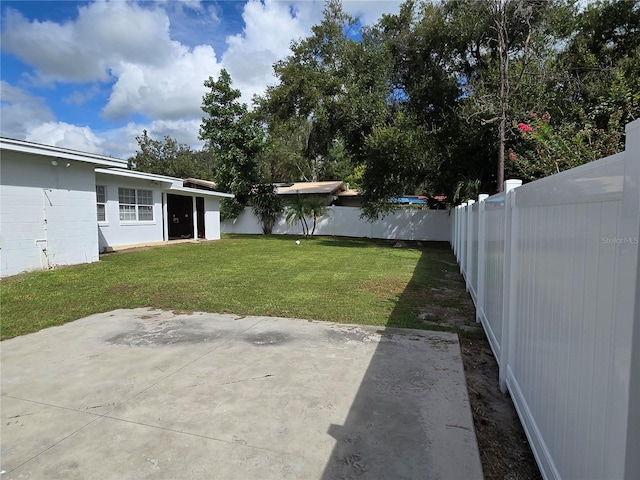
503	52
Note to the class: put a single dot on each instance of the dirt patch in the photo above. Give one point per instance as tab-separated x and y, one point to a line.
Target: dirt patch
444	316
504	449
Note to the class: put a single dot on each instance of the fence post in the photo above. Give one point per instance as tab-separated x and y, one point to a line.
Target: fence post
509	276
469	240
482	228
463	240
458	209
453	230
458	231
627	339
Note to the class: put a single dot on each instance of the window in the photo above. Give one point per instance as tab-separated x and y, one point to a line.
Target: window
101	202
135	205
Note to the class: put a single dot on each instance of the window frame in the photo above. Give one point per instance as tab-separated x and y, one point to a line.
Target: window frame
138	203
102	203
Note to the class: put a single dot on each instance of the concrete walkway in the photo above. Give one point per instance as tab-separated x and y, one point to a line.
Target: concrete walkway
134	394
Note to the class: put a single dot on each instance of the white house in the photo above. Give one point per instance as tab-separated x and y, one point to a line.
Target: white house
63	207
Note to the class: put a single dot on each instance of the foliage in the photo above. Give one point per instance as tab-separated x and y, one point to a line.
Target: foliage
432	96
266	205
298	212
425	101
303	207
171	158
394	163
332	89
466	189
317	209
235	137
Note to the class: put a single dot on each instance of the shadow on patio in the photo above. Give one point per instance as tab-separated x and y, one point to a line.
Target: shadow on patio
411	417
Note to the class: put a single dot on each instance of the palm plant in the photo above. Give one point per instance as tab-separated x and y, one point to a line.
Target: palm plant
302	208
298	211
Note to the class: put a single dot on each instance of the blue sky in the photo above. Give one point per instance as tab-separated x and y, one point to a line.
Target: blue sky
92	75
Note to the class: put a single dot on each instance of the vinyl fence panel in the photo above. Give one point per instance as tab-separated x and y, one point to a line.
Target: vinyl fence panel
557	292
403	224
490	314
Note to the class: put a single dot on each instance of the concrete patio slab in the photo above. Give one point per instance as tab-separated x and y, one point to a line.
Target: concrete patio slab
153	394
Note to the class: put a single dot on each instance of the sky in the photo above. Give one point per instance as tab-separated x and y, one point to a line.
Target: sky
91	76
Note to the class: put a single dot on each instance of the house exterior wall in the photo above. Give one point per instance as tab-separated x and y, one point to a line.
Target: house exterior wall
212	218
47	213
116	233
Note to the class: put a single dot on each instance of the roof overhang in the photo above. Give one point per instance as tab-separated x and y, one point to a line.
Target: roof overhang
120	172
171	184
37	149
198	191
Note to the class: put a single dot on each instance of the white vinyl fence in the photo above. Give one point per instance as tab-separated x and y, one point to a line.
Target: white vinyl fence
403	224
553	269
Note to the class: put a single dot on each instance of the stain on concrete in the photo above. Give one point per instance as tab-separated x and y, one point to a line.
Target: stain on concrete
351	334
271	338
163	333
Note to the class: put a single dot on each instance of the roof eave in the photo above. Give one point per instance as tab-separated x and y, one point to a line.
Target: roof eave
197	191
57	152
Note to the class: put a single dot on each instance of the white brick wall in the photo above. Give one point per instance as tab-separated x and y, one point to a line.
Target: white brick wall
47	213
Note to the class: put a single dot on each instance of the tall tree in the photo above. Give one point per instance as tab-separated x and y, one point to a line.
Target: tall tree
455	92
235	137
332	90
168	157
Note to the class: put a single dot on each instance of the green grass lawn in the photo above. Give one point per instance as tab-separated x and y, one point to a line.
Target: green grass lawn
323	278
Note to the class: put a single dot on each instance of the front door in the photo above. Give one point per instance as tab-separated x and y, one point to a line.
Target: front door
200	213
180	211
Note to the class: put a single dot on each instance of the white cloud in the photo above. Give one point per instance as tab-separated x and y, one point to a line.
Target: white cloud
183	131
117	142
129	47
370	11
84	49
171	91
61	134
82	96
20	111
269	29
271	26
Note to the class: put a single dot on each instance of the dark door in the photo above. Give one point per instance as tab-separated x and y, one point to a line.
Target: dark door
180	210
200	213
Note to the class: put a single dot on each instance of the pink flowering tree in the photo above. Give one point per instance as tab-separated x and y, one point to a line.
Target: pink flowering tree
543	149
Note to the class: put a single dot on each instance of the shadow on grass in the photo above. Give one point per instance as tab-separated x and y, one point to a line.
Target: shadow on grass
390	429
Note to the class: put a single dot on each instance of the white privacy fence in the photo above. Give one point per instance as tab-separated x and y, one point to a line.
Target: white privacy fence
553	269
403	224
